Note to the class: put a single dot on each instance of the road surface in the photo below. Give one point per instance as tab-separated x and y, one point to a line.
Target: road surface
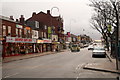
60	65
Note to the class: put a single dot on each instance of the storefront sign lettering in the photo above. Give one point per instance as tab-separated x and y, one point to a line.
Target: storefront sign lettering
19	26
47	41
20	40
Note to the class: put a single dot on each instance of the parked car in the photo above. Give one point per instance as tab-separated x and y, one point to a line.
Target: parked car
90	47
81	45
99	52
75	48
86	45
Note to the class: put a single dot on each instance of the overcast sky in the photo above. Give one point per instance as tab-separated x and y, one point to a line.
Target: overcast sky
76	13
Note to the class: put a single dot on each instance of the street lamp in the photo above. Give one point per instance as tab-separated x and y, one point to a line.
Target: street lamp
54	8
51	14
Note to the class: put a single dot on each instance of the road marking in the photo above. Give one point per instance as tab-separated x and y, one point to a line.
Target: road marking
11	75
35	66
81	65
77	78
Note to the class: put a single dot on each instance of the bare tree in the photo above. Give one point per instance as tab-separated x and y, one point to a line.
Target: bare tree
105	20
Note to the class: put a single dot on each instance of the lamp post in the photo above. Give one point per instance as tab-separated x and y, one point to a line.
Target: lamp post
54	47
51	15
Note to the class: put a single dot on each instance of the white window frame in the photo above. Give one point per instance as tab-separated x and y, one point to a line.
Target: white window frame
9	30
20	32
36	24
45	27
4	30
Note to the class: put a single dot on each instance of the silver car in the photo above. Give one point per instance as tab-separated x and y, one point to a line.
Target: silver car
99	52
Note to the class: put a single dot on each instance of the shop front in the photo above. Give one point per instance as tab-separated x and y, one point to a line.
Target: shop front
47	45
56	46
14	46
40	46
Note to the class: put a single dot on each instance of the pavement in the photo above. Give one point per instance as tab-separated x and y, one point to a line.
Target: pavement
109	66
27	56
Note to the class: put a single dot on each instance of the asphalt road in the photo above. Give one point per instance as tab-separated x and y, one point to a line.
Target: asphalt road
60	65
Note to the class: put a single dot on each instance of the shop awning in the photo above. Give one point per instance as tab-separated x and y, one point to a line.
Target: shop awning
40	41
47	41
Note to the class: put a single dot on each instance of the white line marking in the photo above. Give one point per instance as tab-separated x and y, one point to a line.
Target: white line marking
77	78
11	75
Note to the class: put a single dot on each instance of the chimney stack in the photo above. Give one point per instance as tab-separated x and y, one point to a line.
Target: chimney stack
22	19
11	17
48	12
34	13
17	20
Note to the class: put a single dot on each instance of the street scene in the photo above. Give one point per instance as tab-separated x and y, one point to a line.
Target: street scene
71	40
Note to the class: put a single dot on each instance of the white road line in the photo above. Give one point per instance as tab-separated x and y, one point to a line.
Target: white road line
77	78
11	75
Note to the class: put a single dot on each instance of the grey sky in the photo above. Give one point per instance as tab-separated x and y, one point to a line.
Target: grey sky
76	13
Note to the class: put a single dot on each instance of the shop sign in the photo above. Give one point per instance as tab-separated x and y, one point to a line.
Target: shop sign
49	30
27	28
54	37
40	41
19	26
47	41
20	40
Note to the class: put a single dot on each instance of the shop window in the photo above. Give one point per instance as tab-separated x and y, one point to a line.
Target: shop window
4	30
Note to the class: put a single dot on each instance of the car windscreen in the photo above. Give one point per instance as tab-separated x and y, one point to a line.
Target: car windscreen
74	45
99	49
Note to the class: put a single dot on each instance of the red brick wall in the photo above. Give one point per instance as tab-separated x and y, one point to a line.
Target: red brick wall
13	27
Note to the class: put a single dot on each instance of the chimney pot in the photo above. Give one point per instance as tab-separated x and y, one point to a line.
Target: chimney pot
17	20
48	11
34	13
22	19
11	17
22	16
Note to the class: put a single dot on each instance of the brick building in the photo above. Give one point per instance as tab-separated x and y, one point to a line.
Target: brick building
16	37
50	28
